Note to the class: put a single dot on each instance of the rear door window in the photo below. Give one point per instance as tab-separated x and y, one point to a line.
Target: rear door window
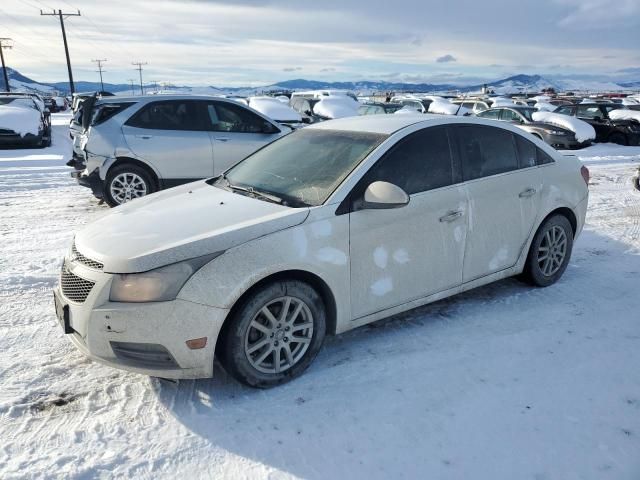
168	115
527	152
486	151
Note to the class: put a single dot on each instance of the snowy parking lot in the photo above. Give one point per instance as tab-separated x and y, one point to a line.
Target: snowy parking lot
502	382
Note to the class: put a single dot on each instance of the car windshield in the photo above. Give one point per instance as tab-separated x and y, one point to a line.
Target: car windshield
527	113
304	167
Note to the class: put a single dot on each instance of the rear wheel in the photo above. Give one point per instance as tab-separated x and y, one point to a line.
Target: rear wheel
125	183
274	335
618	138
550	252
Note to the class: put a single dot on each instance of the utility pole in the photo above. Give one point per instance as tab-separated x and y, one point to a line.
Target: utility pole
140	64
64	39
155	84
99	62
4	67
131	80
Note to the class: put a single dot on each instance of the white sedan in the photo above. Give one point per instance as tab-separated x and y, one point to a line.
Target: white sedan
326	229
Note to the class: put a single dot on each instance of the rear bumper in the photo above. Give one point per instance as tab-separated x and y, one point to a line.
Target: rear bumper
92	181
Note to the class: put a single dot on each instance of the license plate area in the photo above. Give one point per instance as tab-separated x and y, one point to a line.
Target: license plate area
62	312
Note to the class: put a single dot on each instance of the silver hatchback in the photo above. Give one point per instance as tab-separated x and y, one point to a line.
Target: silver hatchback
134	146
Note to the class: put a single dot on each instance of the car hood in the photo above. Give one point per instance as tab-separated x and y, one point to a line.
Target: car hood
185	222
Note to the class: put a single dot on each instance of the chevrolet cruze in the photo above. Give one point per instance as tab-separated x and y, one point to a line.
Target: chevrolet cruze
331	227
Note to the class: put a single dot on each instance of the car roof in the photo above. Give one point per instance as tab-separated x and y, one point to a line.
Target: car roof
389	124
152	98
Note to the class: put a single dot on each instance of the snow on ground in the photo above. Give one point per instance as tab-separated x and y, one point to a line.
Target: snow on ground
502	382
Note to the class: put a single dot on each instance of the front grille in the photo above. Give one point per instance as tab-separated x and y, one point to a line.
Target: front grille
87	262
74	288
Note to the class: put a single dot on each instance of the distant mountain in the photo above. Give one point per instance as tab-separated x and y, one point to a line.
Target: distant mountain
514	84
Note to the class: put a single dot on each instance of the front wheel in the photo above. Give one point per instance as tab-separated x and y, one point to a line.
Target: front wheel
125	183
550	252
274	335
618	138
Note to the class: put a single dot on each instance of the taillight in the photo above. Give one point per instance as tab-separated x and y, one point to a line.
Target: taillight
584	171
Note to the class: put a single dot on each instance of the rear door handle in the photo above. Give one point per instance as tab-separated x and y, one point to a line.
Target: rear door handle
145	137
451	216
529	192
222	139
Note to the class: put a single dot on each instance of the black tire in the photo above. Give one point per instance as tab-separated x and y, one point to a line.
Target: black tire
232	348
533	270
618	138
125	169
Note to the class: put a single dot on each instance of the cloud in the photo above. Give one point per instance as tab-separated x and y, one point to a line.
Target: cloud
291	69
328	69
446	59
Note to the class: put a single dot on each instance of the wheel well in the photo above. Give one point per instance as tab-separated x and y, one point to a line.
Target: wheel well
126	160
316	282
565	212
617	134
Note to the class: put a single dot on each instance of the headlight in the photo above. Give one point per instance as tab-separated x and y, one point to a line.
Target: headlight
159	285
558	132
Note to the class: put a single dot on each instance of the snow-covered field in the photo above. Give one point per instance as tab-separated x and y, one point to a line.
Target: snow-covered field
503	382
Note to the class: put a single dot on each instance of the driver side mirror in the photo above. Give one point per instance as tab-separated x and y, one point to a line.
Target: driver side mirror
383	195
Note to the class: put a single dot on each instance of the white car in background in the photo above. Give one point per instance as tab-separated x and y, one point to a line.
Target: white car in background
134	146
331	227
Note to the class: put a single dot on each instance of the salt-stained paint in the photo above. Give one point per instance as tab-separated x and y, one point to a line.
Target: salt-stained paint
331	255
382	286
401	256
381	257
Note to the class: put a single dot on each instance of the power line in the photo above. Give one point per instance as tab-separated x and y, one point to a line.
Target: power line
133	92
140	64
4	68
62	16
99	62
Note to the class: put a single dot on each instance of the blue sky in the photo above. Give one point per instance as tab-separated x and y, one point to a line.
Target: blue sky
257	42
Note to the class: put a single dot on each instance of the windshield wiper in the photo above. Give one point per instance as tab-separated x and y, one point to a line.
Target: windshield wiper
252	192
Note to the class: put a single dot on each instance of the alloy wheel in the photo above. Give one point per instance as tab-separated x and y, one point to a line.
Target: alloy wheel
552	250
279	335
126	186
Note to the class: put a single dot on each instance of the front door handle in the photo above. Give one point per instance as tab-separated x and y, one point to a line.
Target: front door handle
145	137
451	216
222	139
529	192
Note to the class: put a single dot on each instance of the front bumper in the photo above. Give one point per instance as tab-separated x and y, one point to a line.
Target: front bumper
15	140
147	338
91	180
564	142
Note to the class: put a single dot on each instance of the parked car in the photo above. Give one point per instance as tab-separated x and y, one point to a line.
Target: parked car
418	104
304	106
55	104
376	108
276	110
334	226
475	106
23	122
555	136
138	145
623	132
